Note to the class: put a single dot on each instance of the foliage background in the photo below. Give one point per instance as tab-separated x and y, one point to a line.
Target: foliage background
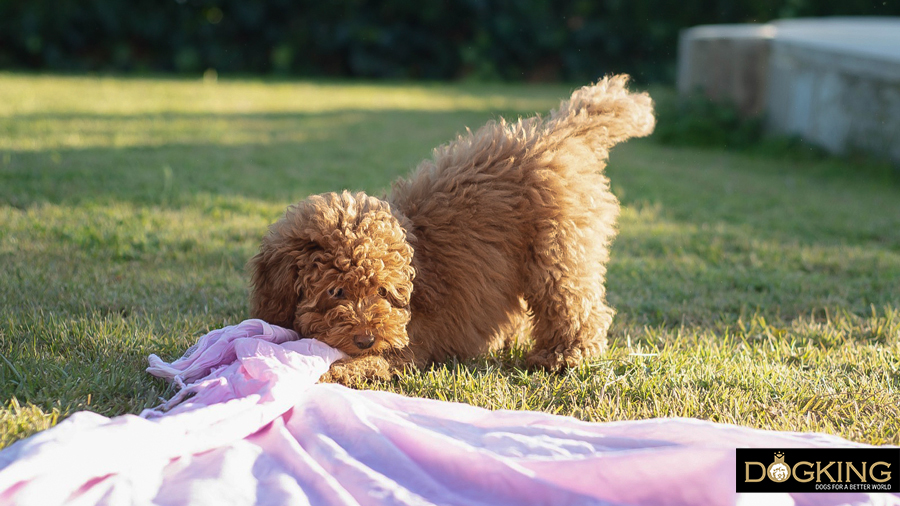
534	40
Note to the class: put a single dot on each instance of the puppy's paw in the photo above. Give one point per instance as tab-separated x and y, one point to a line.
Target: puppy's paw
337	373
354	372
553	361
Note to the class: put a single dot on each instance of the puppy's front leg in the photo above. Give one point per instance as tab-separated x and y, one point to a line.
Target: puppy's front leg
358	370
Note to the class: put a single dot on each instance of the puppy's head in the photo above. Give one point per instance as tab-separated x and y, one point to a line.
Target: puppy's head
337	268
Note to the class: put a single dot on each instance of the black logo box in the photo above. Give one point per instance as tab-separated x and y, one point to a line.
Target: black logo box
882	470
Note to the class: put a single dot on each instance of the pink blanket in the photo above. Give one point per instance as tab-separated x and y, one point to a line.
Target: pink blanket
251	426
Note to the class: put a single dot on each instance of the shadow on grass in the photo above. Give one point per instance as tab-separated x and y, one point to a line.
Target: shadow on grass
705	236
168	159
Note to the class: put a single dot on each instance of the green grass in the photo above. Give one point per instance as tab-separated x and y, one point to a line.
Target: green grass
751	289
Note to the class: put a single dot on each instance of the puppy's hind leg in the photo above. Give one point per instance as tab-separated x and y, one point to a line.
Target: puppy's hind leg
570	323
567	297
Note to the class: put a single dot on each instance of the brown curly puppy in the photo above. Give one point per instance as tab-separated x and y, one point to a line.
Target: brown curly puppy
509	224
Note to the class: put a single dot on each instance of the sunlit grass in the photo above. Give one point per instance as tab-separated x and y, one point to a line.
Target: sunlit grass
123	96
835	374
750	290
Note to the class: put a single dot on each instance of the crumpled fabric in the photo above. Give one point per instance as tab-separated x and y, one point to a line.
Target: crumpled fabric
252	426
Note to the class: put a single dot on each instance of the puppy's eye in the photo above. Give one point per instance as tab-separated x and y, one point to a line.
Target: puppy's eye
382	292
337	293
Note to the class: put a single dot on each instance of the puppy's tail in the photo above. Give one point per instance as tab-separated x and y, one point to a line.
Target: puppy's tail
594	119
602	115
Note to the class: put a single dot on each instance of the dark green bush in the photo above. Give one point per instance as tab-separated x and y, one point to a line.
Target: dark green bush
574	40
696	120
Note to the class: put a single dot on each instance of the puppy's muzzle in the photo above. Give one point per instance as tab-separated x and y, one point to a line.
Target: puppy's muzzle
364	341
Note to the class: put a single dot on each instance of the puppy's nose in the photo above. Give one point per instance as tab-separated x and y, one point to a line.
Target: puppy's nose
364	341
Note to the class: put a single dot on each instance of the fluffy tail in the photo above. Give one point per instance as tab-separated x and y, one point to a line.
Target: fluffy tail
602	115
594	119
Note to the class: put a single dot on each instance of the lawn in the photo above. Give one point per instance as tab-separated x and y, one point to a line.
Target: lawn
752	289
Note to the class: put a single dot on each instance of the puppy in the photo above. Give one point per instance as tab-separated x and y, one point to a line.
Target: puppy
503	229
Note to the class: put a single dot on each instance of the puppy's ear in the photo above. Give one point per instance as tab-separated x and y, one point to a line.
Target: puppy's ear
294	243
274	292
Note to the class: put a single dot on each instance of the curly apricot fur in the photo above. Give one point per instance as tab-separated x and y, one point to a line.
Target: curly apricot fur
504	227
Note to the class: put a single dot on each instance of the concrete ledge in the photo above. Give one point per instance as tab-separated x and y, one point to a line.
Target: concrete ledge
727	62
832	81
859	42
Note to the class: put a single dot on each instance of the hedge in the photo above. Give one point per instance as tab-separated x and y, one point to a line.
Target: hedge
573	40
